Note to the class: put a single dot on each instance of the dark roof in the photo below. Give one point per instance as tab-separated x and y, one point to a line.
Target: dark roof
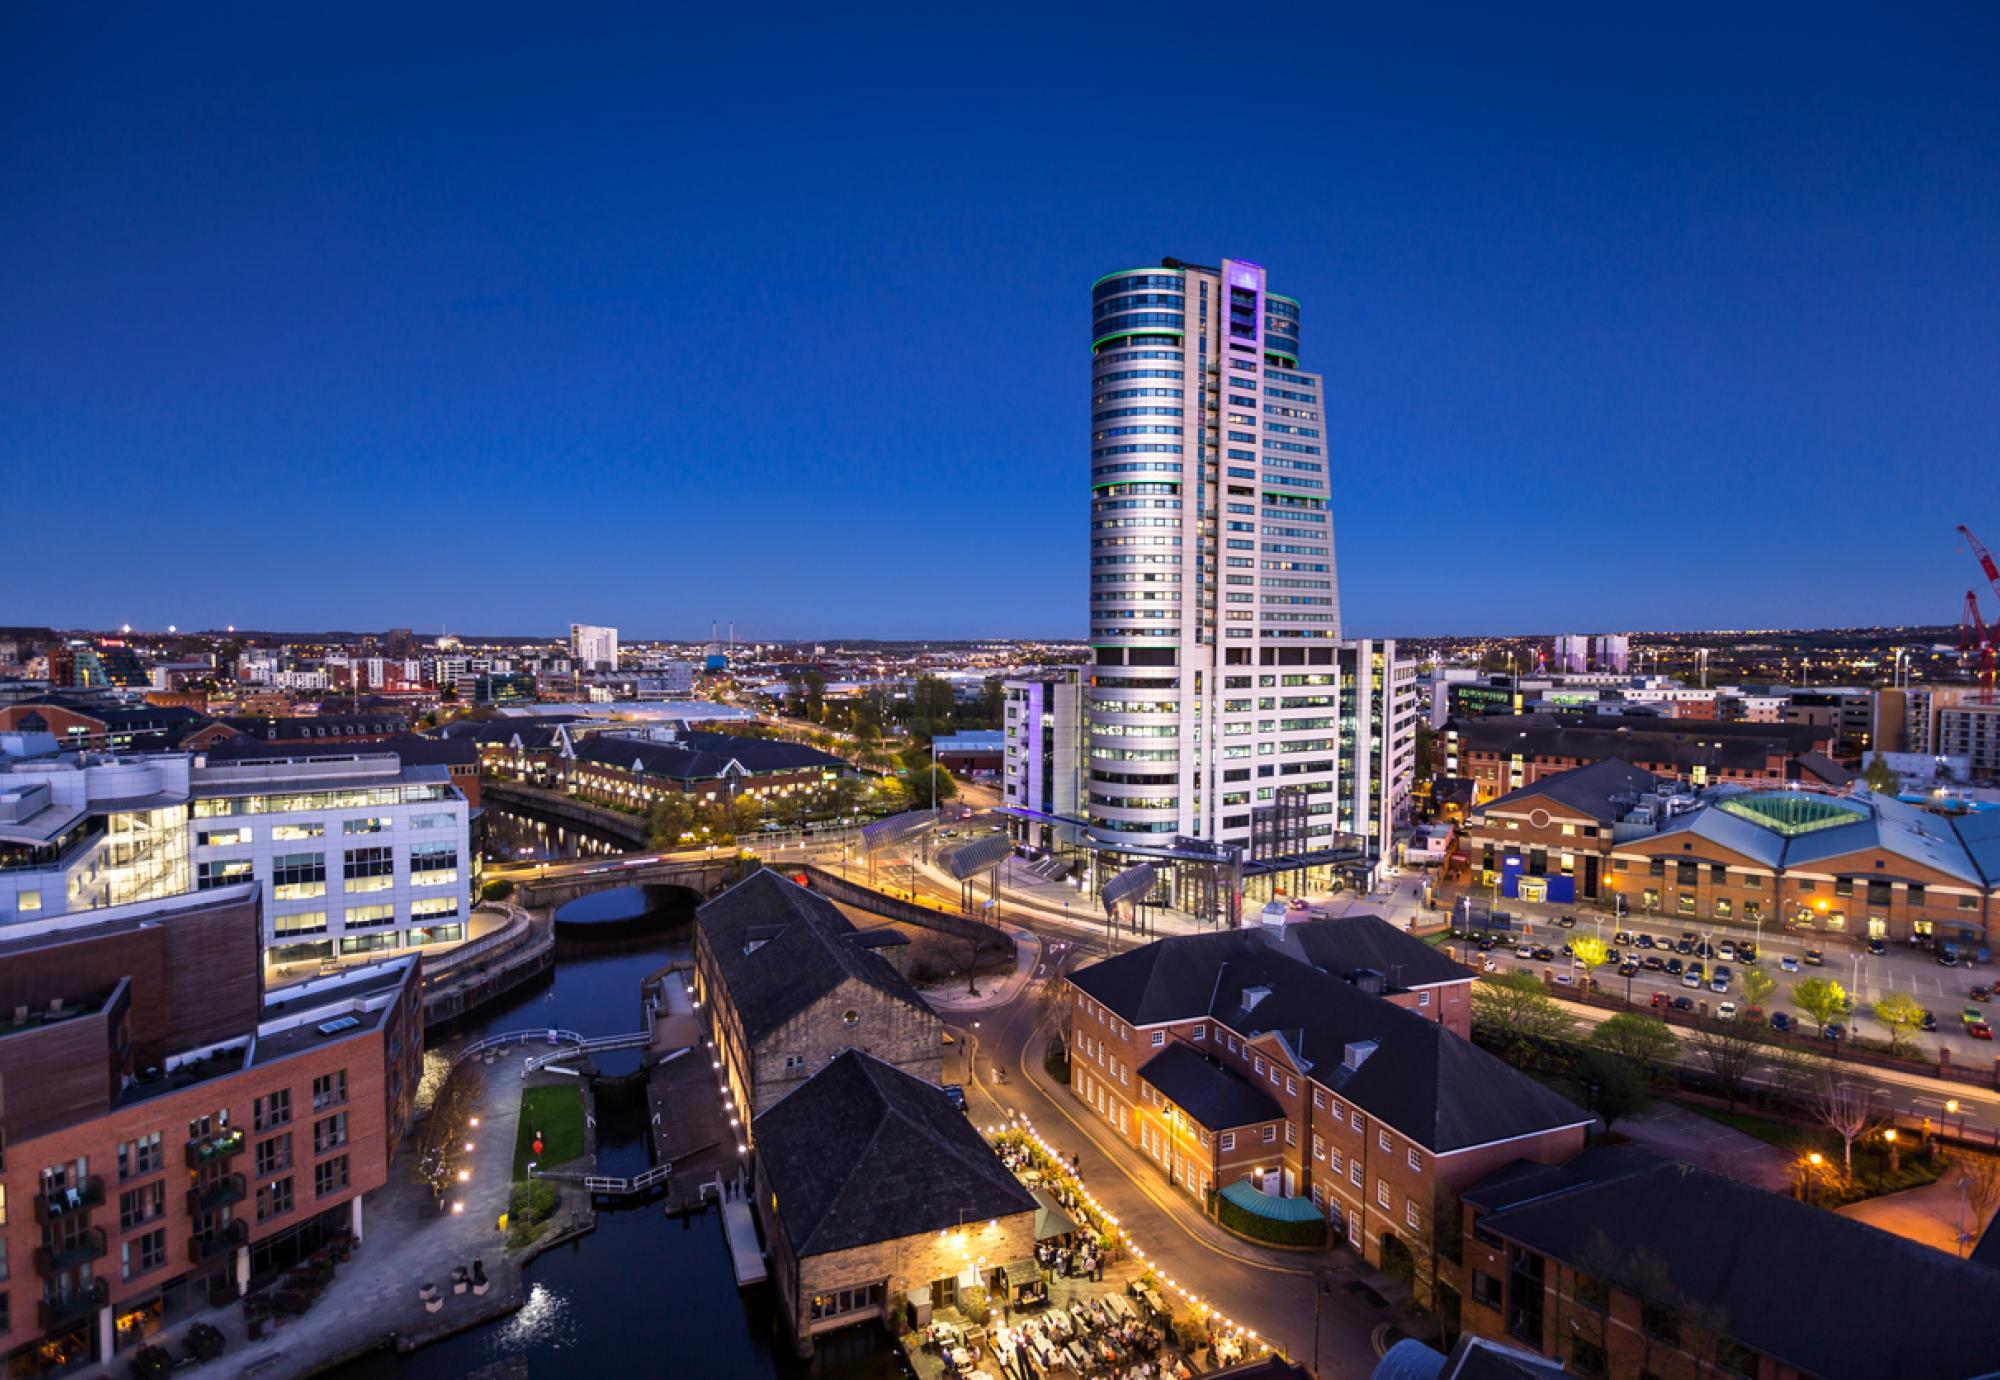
862	1152
1817	766
417	750
324	727
1605	790
1347	944
781	948
1217	1097
1815	1291
1681	744
703	756
1440	1090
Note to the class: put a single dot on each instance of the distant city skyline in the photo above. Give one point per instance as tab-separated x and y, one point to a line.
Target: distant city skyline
1624	323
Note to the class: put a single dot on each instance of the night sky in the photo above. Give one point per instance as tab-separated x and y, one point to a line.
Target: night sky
497	319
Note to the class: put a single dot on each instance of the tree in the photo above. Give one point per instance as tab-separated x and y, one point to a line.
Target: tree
1900	1015
1820	998
931	784
443	1130
1880	776
1512	1013
1729	1050
1646	1041
1980	1175
1844	1107
1590	953
1757	985
674	816
1617	1085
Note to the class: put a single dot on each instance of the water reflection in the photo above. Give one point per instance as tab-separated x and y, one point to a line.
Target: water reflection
512	836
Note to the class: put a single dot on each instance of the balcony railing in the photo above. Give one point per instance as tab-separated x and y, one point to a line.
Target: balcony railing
73	1305
69	1199
208	1149
228	1189
87	1245
205	1245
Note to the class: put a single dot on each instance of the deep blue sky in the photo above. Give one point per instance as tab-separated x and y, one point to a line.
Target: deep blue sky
499	319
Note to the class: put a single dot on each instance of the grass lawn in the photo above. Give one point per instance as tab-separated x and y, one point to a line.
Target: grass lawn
557	1112
1872	1176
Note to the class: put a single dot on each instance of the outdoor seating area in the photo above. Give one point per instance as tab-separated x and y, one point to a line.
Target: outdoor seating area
299	1290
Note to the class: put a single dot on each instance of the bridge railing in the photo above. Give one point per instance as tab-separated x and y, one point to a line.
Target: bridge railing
545	1035
608	1184
637	1039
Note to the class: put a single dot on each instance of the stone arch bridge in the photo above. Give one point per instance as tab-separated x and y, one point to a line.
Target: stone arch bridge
704	876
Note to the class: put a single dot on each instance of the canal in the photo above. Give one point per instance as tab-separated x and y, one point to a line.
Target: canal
642	1294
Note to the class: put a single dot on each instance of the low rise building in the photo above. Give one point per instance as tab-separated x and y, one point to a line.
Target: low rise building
633	770
1624	1265
876	1191
789	983
173	1136
1270	1063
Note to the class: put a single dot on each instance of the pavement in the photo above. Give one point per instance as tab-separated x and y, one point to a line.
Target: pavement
1931	1214
994	992
1673	1132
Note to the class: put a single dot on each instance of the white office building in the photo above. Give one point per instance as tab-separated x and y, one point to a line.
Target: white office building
360	856
80	831
1042	765
595	649
1220	677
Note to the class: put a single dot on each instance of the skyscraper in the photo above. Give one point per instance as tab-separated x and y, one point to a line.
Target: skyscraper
593	647
1214	603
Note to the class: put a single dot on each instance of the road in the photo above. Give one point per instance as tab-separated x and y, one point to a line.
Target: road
1267	1291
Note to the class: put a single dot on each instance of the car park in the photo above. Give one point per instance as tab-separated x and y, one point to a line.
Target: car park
1789	964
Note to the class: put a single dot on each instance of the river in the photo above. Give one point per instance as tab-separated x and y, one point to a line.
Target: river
642	1294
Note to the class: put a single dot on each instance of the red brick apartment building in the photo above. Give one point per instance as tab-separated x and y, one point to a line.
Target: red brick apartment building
1326	1059
171	1136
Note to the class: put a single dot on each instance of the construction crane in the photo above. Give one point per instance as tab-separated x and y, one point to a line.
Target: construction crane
1973	634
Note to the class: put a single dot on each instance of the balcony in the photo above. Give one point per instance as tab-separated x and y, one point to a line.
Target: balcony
209	1149
87	1245
68	1200
210	1245
73	1306
222	1192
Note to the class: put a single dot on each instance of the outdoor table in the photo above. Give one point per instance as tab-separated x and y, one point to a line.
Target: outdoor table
1059	1324
1119	1308
1079	1361
1085	1324
1045	1351
960	1358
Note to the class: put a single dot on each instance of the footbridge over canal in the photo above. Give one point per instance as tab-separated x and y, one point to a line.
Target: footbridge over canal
703	874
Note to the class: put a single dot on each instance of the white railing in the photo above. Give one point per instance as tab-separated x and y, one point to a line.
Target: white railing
607	1184
638	1039
545	1035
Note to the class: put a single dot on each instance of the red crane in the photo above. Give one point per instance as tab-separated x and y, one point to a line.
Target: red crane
1973	634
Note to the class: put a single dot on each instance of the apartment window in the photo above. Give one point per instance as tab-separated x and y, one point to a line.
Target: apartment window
1354	1172
274	1154
1319	1100
1333	1162
329	1133
1291	1134
330	1176
1416	1162
1485	1289
297	833
1291	1086
1410	1217
143	1253
298	876
370	869
1381	1140
272	1109
1660	1324
274	1199
1270	1135
1232	1043
432	821
141	1156
138	1206
1159	1039
1382	1193
1200	1032
28	901
329	1090
367	824
1258	1065
1423	999
1228	1140
1319	1148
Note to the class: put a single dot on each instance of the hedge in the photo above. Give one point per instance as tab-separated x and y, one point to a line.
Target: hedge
1309	1234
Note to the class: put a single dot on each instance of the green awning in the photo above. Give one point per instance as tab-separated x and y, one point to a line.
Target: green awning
1248	1197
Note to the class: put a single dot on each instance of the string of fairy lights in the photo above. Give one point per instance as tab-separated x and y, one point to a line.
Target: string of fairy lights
1020	1123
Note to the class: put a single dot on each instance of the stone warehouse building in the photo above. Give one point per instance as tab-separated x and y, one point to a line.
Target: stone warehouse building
789	983
1263	1057
1856	866
876	1191
634	771
173	1136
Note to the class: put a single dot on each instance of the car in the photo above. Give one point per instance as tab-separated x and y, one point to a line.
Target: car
1981	992
1724	972
1567	922
1612	955
1727	950
1565	979
1675	967
1622	937
1929	1021
1569	951
1659	1000
1690	978
955	1095
1698	969
1726	1011
1718	983
1652	963
1947	955
1788	963
1970	1015
1833	1030
1781	1023
1979	1030
1545	955
1877	947
1754	1013
1628	968
1815	958
1486	944
1746	953
1689	935
1683	1003
1524	951
1644	941
1705	949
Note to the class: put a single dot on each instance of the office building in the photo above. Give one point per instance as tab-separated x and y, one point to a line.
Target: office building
173	1138
595	649
1214	600
1042	774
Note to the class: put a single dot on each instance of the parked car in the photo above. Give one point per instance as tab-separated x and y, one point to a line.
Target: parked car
1788	963
1486	945
1833	1030
1545	954
1947	955
1565	979
1781	1023
1689	935
1746	953
1815	958
1970	1015
1524	951
1727	950
1979	1030
1659	1000
1753	1013
1623	937
1685	946
1652	963
1720	982
1698	969
1567	922
1675	967
1628	968
1644	941
1929	1022
1877	947
1723	973
1981	992
955	1095
1690	978
1726	1011
1683	1003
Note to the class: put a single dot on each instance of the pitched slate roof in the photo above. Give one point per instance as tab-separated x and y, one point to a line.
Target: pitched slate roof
1603	791
781	948
1815	1291
1217	1097
1874	822
862	1152
1682	744
1440	1090
703	756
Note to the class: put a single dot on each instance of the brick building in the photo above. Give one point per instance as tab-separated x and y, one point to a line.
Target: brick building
634	772
1503	753
875	1188
1851	866
1265	1056
790	983
1625	1265
173	1137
